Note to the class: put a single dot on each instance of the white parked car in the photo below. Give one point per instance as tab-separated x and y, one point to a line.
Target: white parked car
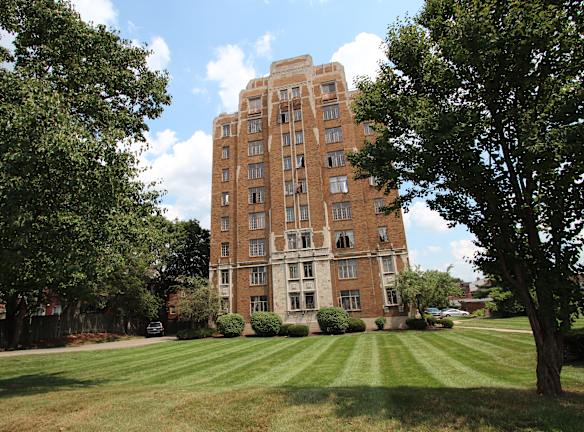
453	312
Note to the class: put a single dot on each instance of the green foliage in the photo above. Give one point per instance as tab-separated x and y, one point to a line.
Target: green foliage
356	325
430	319
284	328
380	323
195	333
504	304
445	322
479	313
416	324
198	303
266	323
332	320
230	325
574	344
298	330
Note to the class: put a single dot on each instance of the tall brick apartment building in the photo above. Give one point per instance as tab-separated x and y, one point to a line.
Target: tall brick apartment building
291	230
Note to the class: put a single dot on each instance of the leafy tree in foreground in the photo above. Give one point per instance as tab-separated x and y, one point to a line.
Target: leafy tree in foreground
73	98
199	304
480	110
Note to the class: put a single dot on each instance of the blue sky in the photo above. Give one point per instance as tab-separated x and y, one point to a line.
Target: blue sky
212	48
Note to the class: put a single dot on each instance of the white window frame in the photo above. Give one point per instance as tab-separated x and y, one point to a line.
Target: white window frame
329	87
294	298
290	214
292	241
284	117
342	210
391	299
224	223
289	188
384	261
257	247
297	115
304	213
305	240
225	152
300	161
287	162
299	137
344	239
258	275
336	159
293	271
296	92
255	104
333	135
254	125
257	220
347	268
286	140
308	270
339	184
283	94
367	129
255	171
225	130
225	175
258	304
258	193
350	300
255	148
224	275
313	294
330	112
378	204
383	234
224	249
224	199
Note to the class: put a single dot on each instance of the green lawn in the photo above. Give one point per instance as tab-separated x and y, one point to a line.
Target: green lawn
457	380
515	323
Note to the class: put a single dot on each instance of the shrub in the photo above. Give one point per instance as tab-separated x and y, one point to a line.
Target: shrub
445	322
430	319
196	333
416	324
230	325
356	325
284	329
380	323
479	313
266	323
574	345
332	320
297	330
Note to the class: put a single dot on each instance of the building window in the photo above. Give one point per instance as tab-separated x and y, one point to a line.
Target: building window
304	215
330	112
299	161
294	301
308	273
309	302
330	87
225	130
258	275
339	184
335	159
225	223
344	239
367	129
299	137
295	92
258	304
284	117
350	300
255	171
255	148
391	297
301	186
286	139
347	269
257	247
305	239
342	211
293	271
225	153
297	115
387	264
256	195
225	175
257	220
224	198
292	241
224	277
255	104
333	135
289	188
378	205
284	94
254	125
225	249
382	234
287	163
289	214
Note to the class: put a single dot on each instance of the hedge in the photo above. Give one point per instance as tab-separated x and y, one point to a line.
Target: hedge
416	324
445	322
332	320
230	325
298	330
356	325
266	323
574	345
284	329
196	333
380	323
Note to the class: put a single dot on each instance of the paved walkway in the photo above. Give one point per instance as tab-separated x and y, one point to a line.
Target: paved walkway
129	343
502	330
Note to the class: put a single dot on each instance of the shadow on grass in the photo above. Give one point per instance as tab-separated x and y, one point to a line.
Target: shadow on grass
40	383
472	409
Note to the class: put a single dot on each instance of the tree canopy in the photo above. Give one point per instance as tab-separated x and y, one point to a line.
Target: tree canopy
479	109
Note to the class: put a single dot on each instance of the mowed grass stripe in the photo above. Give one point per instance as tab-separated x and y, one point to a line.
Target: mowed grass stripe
361	367
496	340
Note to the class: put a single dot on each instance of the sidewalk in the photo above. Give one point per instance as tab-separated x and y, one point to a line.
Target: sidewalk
502	330
130	343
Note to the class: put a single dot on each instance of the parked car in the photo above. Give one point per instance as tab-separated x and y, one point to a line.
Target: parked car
433	311
155	328
453	312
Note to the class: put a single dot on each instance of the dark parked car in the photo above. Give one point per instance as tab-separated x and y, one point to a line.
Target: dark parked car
155	328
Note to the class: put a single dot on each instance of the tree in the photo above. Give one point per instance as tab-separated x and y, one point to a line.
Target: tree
74	100
504	303
199	304
479	110
423	289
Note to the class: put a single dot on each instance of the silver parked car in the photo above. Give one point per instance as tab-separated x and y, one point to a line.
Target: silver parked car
155	328
453	312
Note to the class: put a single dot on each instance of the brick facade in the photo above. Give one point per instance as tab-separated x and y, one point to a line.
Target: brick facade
299	123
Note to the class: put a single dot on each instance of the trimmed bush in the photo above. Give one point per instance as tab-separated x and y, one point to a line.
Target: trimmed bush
479	313
380	323
574	345
430	319
445	322
356	325
332	320
196	333
416	324
297	330
230	325
266	323
284	329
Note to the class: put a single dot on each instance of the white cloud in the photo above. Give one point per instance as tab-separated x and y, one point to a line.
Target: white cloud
160	56
184	170
96	11
7	39
360	56
463	251
232	71
199	90
263	45
421	216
